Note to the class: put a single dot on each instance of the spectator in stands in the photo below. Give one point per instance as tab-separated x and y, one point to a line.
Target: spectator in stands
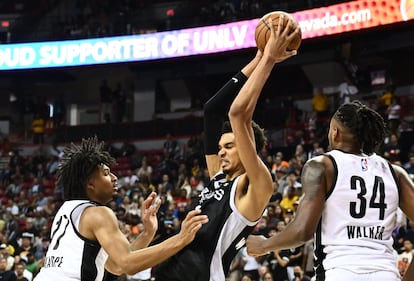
393	112
26	245
280	166
320	104
119	103
292	180
6	275
385	100
105	94
145	170
346	89
409	166
5	253
406	256
30	228
299	274
19	271
300	153
59	112
38	129
277	261
32	264
391	149
170	146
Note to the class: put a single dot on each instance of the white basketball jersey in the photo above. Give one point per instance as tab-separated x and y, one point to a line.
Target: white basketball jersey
355	231
71	256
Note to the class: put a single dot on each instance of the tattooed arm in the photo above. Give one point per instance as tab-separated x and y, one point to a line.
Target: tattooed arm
316	181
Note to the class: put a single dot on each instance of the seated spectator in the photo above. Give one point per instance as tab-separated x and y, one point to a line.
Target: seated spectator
19	270
7	275
145	169
26	245
290	181
392	149
393	112
406	256
409	166
288	201
5	253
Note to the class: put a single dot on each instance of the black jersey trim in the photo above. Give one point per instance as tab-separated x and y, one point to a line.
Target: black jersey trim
397	183
335	176
87	205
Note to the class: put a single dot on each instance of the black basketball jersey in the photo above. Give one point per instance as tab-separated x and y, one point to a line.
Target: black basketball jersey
209	256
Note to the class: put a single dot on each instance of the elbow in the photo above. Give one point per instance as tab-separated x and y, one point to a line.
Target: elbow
130	268
236	111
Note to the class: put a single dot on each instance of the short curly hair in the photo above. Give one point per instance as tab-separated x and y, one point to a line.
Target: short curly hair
78	163
259	134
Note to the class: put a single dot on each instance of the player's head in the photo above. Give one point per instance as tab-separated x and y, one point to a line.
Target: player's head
359	125
80	164
228	152
259	136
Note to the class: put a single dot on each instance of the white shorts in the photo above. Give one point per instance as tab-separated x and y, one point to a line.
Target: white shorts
339	274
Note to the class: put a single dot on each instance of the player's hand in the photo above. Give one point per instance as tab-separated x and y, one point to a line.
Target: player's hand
255	245
149	211
280	38
191	224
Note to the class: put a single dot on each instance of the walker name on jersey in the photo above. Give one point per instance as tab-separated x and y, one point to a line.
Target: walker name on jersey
52	261
371	232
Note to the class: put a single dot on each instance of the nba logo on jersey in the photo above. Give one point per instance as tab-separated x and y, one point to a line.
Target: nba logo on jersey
364	164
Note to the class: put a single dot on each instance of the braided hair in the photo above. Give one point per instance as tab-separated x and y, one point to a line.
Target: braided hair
259	135
77	165
367	125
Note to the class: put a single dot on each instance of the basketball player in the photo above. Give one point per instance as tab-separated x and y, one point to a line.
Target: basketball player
86	242
351	197
241	184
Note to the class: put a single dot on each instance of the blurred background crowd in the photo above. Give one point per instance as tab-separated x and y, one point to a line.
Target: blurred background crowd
296	127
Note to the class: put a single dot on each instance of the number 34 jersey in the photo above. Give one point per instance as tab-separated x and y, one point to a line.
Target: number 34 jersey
70	256
355	231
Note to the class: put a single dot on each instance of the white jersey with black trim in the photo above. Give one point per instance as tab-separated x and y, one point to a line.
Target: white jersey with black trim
355	231
71	256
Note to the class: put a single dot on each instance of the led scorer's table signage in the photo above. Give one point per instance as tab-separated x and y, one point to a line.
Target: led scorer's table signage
323	21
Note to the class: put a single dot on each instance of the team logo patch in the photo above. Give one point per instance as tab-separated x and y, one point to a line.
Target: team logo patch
364	164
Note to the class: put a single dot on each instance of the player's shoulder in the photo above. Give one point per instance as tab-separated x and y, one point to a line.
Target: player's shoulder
98	214
323	159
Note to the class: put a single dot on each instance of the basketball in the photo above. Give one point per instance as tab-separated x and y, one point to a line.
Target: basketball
262	32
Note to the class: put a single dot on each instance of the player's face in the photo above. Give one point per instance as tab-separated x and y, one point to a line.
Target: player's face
229	155
104	184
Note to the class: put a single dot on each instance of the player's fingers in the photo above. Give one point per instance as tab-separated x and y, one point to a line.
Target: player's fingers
156	203
289	26
293	34
149	200
280	25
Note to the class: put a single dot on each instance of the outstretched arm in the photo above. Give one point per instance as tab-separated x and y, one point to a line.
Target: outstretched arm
215	112
241	112
407	206
101	225
308	214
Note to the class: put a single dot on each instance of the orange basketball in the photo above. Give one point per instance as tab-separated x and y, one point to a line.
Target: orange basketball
262	33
